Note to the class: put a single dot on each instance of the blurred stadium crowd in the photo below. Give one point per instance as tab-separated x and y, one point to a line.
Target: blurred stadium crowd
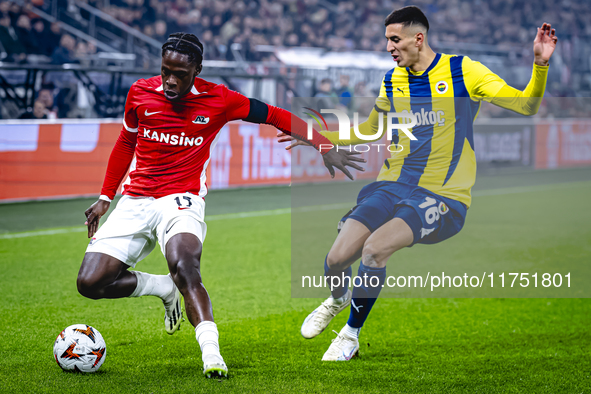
506	26
331	24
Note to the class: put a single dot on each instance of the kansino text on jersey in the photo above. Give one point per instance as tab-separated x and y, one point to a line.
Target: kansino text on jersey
173	139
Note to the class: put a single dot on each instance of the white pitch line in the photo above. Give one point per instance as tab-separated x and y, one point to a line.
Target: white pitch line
313	208
44	232
250	214
528	189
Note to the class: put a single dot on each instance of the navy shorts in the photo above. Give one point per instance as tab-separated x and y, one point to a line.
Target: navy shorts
431	217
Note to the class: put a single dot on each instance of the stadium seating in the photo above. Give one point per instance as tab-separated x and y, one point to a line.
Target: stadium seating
497	33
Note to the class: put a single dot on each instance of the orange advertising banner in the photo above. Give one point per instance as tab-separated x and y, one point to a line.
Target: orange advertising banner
56	160
564	143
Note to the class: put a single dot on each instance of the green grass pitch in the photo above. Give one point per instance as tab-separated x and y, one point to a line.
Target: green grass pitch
408	345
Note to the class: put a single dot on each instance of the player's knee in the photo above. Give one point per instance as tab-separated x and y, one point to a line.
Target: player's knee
336	260
188	267
178	252
186	270
88	287
372	257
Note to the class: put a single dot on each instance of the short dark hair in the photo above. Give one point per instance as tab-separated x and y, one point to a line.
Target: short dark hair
408	16
187	44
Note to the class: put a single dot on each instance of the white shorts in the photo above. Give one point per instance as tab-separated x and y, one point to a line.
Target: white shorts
131	231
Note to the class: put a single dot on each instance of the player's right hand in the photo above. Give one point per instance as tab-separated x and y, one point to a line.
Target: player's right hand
94	214
544	44
333	158
282	137
341	159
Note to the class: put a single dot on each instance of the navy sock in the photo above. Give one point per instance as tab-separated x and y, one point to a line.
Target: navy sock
365	295
343	285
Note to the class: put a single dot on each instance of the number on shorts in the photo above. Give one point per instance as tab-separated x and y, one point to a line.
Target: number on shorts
180	203
432	214
428	202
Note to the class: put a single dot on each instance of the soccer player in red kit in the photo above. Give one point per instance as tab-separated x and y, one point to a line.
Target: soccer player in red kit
171	125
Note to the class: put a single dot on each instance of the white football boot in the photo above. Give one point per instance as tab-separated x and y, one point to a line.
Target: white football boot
172	310
342	348
319	319
214	366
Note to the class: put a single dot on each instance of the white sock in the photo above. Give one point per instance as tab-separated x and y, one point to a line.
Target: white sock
207	335
156	285
350	331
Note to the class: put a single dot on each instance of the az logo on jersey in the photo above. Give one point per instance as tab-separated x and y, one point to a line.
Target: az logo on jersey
201	120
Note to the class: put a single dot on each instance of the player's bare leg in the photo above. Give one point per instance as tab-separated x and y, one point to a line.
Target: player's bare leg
183	253
347	248
103	276
389	238
377	249
344	252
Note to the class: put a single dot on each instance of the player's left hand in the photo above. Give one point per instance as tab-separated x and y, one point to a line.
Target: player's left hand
340	160
94	214
544	44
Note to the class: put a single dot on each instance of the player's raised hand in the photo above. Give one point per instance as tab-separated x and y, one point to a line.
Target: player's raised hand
94	214
334	158
544	44
282	137
341	159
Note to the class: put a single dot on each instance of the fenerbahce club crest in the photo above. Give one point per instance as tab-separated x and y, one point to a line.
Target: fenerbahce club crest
441	87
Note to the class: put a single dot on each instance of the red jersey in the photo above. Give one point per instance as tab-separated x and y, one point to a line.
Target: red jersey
173	140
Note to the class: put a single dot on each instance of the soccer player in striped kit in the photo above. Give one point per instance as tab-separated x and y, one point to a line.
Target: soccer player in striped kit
422	193
171	124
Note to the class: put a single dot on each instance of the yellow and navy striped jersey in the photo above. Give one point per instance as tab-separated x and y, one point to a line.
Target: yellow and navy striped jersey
445	100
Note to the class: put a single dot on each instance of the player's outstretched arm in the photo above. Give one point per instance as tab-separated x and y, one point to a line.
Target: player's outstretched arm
369	128
485	84
255	111
492	88
297	128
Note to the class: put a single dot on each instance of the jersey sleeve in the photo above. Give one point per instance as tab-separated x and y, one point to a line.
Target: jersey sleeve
124	148
119	162
483	84
130	118
237	105
480	81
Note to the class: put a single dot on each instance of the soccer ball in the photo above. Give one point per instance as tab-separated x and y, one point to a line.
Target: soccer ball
80	348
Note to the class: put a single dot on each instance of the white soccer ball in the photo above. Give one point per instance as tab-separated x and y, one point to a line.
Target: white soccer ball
80	348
